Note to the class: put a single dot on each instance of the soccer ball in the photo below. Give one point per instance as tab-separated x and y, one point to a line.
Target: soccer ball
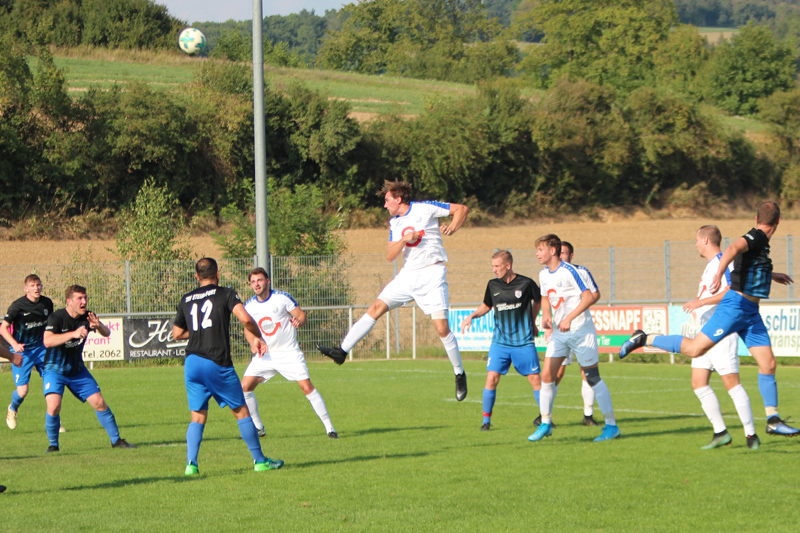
192	41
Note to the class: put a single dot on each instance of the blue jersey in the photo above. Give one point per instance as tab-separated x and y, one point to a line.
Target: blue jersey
752	269
513	316
29	319
65	359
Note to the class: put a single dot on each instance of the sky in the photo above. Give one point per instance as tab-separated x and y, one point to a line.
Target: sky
216	11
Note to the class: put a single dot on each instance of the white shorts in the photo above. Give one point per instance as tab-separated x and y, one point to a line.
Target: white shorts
290	365
426	286
583	342
721	358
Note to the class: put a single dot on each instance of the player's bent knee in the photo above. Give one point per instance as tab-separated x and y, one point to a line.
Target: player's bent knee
592	376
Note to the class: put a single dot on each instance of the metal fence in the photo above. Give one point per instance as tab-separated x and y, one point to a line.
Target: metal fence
335	291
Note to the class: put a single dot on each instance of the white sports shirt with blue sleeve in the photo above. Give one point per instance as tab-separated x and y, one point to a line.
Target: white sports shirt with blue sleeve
422	217
563	288
702	314
586	277
274	320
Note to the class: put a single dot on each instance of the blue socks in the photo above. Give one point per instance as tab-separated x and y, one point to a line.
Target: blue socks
194	435
768	388
250	436
488	404
51	425
16	401
668	343
109	423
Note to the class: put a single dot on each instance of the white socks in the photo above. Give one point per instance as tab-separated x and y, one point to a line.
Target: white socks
588	398
451	347
742	403
603	396
252	406
546	398
710	404
357	332
315	398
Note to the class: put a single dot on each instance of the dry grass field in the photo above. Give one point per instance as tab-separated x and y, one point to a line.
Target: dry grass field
634	232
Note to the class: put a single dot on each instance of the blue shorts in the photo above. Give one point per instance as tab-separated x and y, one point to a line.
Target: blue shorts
205	378
81	386
31	358
737	314
525	359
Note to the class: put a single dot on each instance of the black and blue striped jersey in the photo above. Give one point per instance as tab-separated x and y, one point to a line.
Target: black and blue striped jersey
29	319
206	314
65	359
513	309
752	269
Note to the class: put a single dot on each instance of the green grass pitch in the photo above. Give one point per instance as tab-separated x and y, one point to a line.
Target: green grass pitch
409	458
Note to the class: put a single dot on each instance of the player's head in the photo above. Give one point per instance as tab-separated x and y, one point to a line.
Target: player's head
76	298
567	251
259	281
768	214
206	269
708	239
395	195
33	286
501	263
547	246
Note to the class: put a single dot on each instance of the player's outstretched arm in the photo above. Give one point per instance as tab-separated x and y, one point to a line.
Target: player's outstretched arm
736	247
479	312
246	320
96	325
51	339
15	358
256	348
459	213
783	279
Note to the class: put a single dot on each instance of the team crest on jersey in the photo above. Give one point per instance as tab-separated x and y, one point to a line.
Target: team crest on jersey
518	294
45	312
268	327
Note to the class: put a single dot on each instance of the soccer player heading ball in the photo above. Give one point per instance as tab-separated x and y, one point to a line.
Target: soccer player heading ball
415	233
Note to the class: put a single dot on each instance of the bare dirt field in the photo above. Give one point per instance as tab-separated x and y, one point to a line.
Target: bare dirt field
628	233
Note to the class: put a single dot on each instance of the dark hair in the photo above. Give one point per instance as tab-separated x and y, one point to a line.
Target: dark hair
768	213
569	246
74	289
256	271
551	241
32	277
398	189
712	233
206	268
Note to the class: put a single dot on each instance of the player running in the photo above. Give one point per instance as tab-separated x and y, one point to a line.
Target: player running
516	301
568	326
204	317
737	312
567	253
722	358
27	316
278	316
64	338
415	233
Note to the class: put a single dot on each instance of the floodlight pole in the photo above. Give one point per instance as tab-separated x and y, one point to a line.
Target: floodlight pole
259	139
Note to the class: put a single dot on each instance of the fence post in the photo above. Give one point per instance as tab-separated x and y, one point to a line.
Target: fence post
127	286
790	265
388	340
667	287
612	275
413	332
349	324
396	314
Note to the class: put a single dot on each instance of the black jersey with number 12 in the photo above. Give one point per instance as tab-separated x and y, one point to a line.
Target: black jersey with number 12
206	314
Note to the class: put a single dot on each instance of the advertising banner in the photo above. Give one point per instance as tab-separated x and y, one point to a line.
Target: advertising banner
151	338
613	324
111	348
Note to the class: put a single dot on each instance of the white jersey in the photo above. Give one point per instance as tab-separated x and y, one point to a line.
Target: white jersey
563	288
422	217
701	315
274	320
586	277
